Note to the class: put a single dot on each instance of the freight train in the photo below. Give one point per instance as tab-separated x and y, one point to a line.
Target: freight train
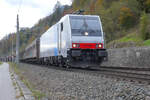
75	41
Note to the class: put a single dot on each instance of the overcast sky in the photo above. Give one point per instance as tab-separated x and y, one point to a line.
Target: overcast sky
30	12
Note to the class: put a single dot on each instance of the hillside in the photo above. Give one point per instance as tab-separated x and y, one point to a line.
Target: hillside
27	35
125	22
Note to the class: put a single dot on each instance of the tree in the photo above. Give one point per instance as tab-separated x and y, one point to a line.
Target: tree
126	18
57	5
144	27
144	5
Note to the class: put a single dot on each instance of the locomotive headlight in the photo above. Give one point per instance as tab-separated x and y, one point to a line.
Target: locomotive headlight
74	45
99	45
86	33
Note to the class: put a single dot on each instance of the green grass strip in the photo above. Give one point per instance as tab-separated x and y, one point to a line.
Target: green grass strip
147	43
1	63
37	94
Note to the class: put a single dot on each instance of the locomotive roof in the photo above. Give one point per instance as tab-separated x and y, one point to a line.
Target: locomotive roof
81	15
69	15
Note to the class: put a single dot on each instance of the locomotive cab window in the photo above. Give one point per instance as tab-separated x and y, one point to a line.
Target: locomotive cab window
85	26
61	27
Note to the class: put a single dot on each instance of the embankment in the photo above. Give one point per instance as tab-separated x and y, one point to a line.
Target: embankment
129	57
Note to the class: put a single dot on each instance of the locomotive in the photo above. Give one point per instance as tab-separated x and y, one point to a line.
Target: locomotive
75	41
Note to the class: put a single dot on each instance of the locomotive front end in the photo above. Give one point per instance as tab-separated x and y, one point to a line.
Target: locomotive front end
87	40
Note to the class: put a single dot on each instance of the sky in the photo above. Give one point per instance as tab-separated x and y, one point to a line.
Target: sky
30	12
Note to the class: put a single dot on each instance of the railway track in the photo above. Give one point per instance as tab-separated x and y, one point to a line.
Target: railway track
137	75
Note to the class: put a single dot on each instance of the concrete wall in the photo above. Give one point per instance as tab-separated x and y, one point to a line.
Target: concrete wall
128	57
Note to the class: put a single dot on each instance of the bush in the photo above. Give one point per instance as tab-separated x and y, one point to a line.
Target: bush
147	4
144	26
126	18
144	5
110	20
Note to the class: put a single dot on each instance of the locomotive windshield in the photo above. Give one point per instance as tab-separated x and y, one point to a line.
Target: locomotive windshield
85	26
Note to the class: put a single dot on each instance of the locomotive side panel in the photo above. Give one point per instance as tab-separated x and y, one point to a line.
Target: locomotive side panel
49	43
65	36
56	40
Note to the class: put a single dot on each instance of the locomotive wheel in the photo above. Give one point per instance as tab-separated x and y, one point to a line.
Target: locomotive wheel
60	61
60	64
67	64
67	67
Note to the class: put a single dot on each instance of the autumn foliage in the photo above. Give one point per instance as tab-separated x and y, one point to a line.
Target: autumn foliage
117	16
144	26
144	5
126	18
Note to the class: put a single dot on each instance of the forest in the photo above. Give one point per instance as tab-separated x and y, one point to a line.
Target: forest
126	23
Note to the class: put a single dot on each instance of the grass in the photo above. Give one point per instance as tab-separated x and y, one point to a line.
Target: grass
146	43
1	63
132	37
37	94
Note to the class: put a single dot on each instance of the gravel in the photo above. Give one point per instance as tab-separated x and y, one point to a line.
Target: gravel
67	85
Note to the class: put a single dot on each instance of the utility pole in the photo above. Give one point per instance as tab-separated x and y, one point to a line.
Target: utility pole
17	41
12	55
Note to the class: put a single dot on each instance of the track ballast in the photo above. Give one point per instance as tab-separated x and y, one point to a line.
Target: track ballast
137	75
